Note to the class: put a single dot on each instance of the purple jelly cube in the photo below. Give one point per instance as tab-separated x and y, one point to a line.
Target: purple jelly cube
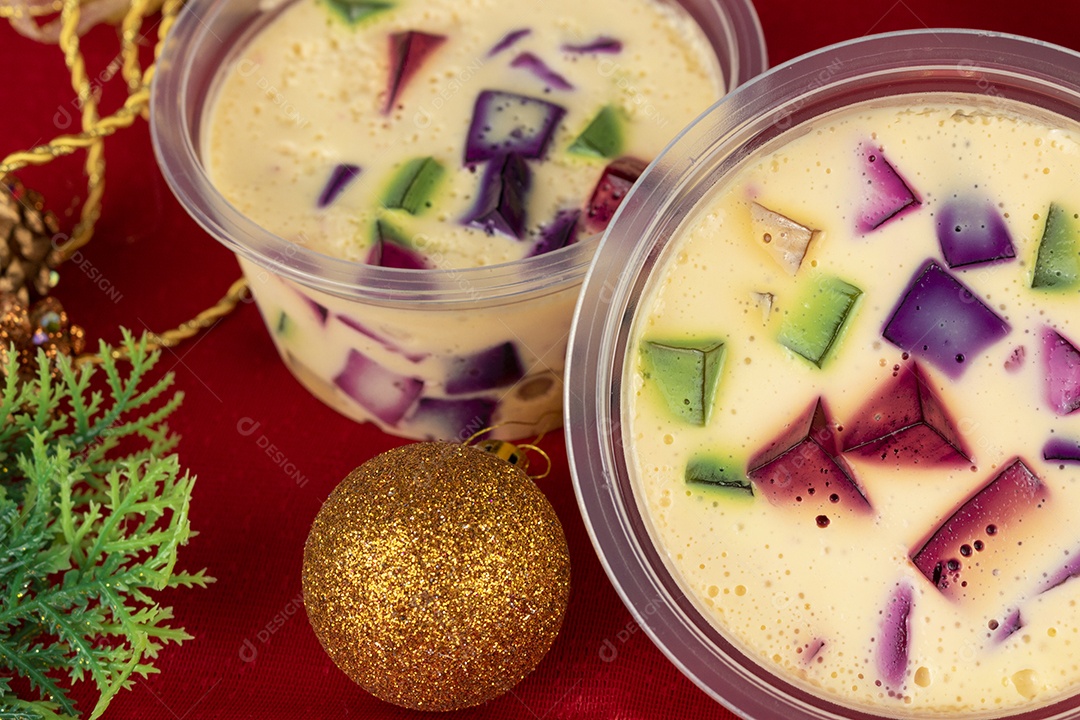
450	419
885	195
504	123
615	182
318	311
1066	570
379	390
504	189
508	40
972	232
905	423
559	233
1062	450
894	642
357	326
602	44
802	467
340	177
495	367
1061	361
408	50
940	319
539	68
989	530
812	650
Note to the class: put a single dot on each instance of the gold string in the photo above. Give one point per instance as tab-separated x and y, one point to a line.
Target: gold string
95	129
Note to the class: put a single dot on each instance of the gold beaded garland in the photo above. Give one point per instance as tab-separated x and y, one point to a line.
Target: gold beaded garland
436	576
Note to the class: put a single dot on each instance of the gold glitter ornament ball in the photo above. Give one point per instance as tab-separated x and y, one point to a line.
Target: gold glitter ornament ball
436	576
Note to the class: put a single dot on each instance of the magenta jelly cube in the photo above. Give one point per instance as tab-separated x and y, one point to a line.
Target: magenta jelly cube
940	319
388	249
504	123
802	467
885	194
408	50
1061	361
509	39
972	232
614	184
905	423
504	188
986	532
488	369
379	390
894	642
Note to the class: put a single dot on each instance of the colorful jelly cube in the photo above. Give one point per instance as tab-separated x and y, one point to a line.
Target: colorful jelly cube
353	11
785	240
1061	362
379	390
885	194
559	233
450	419
802	467
488	369
602	44
504	123
508	40
893	644
603	138
1062	450
340	178
390	248
1057	265
541	70
687	375
938	318
972	232
413	185
408	51
817	320
504	188
905	423
717	472
615	182
986	532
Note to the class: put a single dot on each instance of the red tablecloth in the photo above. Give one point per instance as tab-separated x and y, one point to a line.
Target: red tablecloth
150	266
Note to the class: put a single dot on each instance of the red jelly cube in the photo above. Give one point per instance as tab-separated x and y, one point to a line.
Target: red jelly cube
408	50
802	467
616	181
905	423
987	532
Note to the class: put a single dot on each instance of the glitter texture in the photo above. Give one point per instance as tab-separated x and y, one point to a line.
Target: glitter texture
436	576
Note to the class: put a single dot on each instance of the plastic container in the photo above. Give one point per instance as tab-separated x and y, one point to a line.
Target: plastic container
990	67
528	303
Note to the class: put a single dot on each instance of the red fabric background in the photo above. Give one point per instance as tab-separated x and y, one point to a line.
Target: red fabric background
150	266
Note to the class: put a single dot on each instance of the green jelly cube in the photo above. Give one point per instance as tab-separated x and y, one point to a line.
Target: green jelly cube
1057	265
814	324
283	324
413	185
687	376
603	138
718	473
353	11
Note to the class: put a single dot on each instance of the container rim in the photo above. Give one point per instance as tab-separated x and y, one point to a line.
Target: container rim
992	64
174	114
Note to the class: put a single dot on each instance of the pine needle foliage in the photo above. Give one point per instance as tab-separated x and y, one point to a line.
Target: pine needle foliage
93	509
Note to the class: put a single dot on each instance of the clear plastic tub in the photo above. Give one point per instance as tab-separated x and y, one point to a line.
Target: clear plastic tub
421	315
987	67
